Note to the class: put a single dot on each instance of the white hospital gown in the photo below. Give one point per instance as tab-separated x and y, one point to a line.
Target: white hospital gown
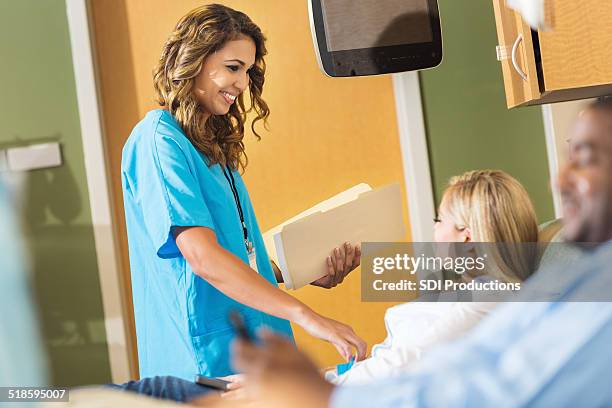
412	329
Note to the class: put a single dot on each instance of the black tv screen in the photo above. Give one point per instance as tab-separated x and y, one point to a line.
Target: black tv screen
371	37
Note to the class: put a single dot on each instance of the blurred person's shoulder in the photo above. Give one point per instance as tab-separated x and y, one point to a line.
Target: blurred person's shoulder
596	267
603	255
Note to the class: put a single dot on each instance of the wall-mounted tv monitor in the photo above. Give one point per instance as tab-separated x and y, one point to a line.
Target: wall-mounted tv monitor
372	37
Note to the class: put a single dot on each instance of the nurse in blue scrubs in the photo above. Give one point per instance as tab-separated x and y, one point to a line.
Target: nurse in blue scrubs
196	251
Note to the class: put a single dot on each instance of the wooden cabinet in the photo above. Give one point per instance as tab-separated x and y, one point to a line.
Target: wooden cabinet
571	61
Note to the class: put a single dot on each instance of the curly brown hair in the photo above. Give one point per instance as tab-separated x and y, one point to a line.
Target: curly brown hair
197	35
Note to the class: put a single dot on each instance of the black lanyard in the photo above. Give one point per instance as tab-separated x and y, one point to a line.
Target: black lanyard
232	183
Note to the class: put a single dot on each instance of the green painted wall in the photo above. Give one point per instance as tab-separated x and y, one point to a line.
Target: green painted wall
38	104
468	124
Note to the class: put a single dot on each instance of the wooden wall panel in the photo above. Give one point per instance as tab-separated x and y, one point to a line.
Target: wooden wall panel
325	135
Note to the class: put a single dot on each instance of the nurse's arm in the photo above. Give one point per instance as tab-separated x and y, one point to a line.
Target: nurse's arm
232	276
236	279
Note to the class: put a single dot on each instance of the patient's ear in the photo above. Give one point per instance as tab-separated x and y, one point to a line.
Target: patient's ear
466	234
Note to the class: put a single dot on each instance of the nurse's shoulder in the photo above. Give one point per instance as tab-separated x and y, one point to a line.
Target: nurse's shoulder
157	130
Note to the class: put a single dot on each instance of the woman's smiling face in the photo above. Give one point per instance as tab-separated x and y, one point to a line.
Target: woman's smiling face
224	76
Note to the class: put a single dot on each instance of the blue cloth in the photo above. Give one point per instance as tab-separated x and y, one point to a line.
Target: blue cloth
343	368
22	361
168	388
547	354
181	320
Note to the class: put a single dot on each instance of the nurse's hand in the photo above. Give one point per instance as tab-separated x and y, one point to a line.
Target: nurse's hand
340	263
339	334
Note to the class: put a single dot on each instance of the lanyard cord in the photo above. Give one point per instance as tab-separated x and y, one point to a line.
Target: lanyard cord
232	183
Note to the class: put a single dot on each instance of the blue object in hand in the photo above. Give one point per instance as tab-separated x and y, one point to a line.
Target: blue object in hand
343	368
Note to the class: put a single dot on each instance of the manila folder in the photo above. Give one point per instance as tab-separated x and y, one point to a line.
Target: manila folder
302	246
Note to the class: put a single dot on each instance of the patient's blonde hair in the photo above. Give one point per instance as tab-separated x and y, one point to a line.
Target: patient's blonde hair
496	208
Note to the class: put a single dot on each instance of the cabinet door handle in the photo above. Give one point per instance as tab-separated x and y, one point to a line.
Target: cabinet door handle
518	69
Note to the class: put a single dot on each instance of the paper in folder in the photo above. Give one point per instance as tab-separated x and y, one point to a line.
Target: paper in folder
300	246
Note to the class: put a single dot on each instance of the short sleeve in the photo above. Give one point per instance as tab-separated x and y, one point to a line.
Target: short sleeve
168	192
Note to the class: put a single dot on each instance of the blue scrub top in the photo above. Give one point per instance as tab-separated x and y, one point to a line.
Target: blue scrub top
181	320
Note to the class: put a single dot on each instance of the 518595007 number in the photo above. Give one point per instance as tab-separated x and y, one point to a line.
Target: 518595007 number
42	394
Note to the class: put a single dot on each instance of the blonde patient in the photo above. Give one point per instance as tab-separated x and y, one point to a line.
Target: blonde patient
477	206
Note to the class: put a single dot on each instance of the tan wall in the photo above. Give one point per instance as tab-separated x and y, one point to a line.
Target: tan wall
326	134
